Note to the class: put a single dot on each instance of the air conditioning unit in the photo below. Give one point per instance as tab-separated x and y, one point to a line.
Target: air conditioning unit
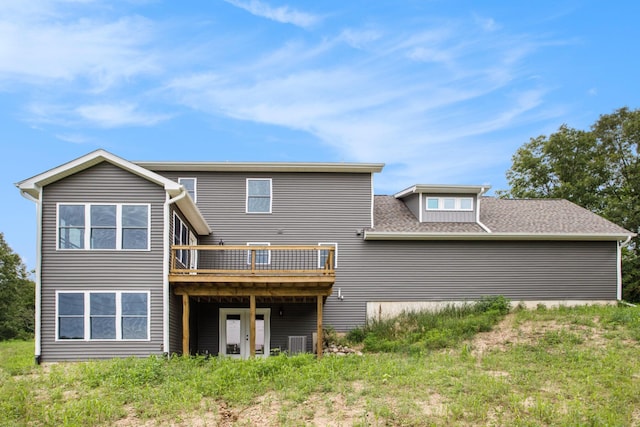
297	344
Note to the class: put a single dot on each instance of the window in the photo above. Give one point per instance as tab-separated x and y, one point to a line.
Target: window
262	256
102	315
323	254
189	184
71	226
466	204
103	226
449	203
70	316
259	195
183	236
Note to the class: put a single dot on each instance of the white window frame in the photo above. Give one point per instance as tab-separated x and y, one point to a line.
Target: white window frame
195	187
259	244
335	254
191	240
87	315
270	195
244	315
457	201
87	226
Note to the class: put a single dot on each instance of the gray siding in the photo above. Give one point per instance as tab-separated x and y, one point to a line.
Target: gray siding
101	270
449	216
312	208
308	208
412	202
441	271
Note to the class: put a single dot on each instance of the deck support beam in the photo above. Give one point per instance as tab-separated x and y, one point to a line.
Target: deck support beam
252	325
185	325
319	332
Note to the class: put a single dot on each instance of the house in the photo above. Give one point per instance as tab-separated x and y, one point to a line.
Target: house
238	259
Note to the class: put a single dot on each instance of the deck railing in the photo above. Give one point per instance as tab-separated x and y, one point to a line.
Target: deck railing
253	260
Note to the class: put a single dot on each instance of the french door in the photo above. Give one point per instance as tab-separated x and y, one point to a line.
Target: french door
234	332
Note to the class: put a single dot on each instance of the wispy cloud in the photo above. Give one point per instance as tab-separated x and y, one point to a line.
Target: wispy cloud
38	46
283	14
73	138
118	115
412	100
123	114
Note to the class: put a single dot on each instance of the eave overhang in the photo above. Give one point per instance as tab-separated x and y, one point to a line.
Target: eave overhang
388	235
32	186
262	167
442	189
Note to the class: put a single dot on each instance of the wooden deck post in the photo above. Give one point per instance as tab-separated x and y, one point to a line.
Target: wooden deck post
320	334
252	325
185	325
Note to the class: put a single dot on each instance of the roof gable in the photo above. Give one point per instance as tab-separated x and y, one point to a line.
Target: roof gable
32	186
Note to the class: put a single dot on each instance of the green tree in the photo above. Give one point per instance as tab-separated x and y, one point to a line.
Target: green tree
598	169
16	296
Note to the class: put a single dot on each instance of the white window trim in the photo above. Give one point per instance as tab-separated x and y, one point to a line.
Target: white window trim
192	239
195	186
259	244
87	226
335	254
440	207
270	195
87	315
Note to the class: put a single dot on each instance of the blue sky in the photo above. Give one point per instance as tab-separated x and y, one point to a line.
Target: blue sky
440	91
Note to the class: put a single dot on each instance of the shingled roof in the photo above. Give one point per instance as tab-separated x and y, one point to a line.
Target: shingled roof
542	216
501	216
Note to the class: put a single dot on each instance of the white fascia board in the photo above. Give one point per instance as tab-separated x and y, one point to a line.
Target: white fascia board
388	235
405	192
194	216
31	185
443	189
262	167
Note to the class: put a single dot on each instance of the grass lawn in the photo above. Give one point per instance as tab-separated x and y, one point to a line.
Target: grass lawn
578	366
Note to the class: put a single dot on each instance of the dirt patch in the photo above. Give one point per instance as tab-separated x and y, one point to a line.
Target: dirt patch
508	333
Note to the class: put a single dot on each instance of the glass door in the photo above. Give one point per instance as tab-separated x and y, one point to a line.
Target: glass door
234	332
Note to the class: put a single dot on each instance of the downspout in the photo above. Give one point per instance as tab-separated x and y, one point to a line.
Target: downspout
38	287
619	272
165	268
484	227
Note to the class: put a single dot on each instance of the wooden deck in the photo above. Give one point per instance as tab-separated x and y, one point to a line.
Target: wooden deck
256	271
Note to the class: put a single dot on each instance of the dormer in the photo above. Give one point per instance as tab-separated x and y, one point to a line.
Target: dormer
443	203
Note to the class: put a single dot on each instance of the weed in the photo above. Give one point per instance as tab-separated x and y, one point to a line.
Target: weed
557	376
418	332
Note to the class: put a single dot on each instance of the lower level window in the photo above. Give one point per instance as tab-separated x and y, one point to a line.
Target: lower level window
91	315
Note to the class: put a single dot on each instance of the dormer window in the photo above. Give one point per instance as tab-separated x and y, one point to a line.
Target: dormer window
449	204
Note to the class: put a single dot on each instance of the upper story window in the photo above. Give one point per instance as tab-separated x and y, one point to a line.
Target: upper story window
103	226
449	203
191	185
258	195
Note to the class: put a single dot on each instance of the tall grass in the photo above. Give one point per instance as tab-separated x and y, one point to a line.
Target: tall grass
576	366
417	331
